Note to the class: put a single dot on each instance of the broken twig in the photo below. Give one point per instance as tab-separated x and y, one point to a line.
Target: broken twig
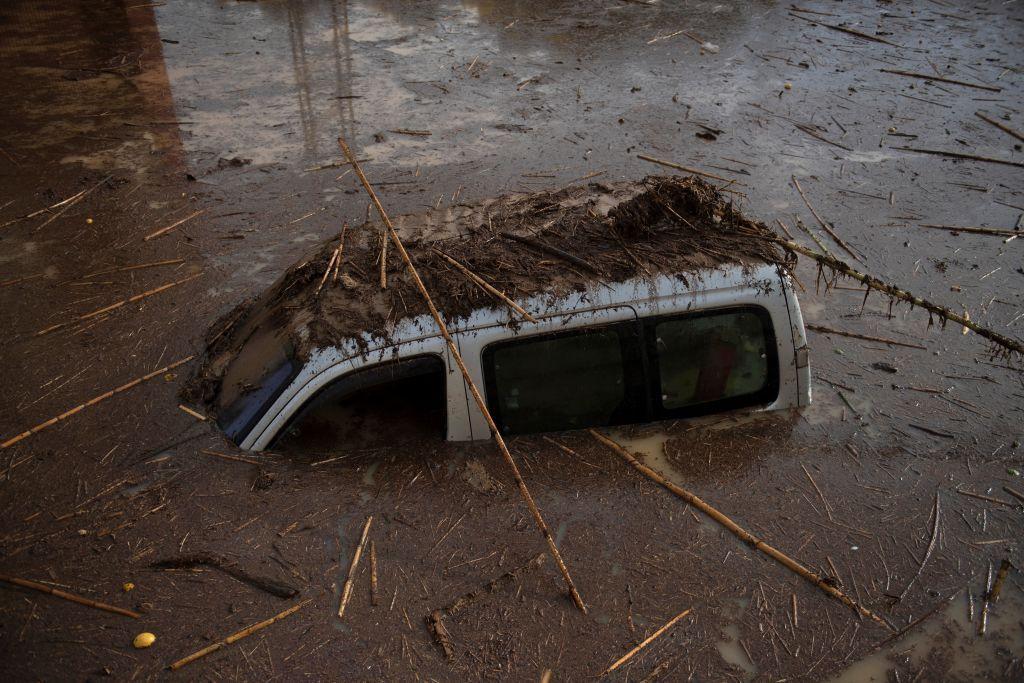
57	593
238	636
646	641
346	592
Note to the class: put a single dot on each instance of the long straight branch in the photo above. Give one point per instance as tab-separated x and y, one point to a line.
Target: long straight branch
741	533
477	397
903	295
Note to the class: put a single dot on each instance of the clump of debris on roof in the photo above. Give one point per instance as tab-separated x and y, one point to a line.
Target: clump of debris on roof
546	243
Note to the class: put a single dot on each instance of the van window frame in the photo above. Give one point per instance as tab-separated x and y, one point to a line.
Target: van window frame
642	361
366	369
765	396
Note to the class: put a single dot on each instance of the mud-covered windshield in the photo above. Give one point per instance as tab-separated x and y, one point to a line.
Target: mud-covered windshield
264	366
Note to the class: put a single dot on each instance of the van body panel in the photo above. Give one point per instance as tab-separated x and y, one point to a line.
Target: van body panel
761	286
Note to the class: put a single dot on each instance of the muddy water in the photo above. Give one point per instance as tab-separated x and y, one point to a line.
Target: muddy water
224	106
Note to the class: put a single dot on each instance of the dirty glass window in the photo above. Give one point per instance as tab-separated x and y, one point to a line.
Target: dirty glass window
563	381
715	360
392	403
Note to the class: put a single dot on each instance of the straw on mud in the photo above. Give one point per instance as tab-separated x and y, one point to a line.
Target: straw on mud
741	533
971	229
928	552
486	286
646	641
865	337
940	79
119	304
346	592
93	401
897	293
685	169
822	222
57	593
172	226
238	636
373	573
1001	126
68	203
477	397
383	261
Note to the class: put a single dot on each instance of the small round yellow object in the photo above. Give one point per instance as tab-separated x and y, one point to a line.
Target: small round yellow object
128	586
143	640
88	221
787	85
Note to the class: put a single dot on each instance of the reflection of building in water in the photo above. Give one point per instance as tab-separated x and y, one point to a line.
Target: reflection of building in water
93	65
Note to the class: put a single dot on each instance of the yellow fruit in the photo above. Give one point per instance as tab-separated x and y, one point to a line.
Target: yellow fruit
143	640
128	586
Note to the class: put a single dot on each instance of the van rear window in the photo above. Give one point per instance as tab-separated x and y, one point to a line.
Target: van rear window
714	361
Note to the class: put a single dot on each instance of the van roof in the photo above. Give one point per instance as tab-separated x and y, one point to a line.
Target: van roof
547	243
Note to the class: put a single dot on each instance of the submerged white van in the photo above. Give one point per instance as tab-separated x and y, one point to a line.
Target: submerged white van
652	347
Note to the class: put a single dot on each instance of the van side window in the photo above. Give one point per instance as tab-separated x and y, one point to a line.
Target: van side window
713	361
566	380
385	404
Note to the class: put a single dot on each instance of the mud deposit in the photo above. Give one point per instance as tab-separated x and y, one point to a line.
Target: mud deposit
210	129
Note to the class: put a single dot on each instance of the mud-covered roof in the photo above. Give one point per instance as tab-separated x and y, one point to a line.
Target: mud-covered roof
552	243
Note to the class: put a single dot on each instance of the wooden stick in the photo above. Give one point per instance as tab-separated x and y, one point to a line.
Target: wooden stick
646	641
959	155
486	286
238	636
1016	494
335	257
554	251
57	593
172	226
684	169
167	262
821	221
1001	126
383	260
987	499
866	337
119	304
346	592
897	293
843	29
940	79
93	401
373	573
741	533
973	230
188	411
477	397
227	456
